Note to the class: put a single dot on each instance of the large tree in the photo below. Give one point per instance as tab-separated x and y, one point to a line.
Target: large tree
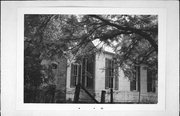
135	38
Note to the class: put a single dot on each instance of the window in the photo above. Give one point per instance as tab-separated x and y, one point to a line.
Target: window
83	71
110	78
150	81
75	72
87	73
135	82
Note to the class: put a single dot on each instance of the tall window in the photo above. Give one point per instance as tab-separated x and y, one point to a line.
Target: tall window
135	82
111	81
75	72
150	81
87	73
83	71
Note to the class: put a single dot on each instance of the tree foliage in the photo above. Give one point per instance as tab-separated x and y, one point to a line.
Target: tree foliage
48	35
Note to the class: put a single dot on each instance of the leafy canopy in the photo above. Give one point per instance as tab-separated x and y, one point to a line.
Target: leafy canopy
48	35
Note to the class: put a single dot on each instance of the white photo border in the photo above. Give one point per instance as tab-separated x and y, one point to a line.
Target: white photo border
160	106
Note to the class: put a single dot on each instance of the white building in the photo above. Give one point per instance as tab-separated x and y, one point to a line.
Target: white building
96	73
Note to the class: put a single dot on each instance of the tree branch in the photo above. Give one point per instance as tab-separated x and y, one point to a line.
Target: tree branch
137	31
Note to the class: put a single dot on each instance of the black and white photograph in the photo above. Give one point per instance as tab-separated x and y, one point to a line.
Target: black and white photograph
91	58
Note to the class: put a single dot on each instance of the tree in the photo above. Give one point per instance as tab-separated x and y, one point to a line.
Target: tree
135	38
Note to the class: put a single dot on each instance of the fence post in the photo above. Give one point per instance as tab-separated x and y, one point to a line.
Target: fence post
103	96
77	92
111	92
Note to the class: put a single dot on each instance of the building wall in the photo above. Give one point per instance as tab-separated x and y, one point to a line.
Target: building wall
60	80
123	94
124	83
99	72
83	97
59	77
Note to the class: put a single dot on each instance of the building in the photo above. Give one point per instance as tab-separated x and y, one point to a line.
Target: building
96	73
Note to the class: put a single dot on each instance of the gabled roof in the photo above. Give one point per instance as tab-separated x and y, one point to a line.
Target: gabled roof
100	44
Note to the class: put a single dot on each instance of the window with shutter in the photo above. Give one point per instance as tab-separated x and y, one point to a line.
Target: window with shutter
135	81
84	71
116	83
88	73
150	81
75	72
110	78
133	84
106	75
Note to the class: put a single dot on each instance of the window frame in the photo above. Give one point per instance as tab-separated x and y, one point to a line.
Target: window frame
151	81
73	77
111	80
83	73
136	80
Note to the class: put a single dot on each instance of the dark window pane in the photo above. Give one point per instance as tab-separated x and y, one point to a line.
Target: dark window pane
135	82
106	74
150	81
109	74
